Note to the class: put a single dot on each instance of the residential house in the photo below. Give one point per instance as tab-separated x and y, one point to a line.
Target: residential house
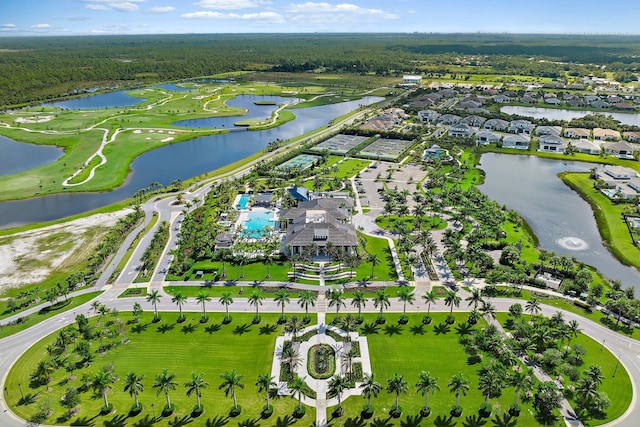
486	137
473	121
496	124
528	99
624	106
461	130
548	130
600	104
591	98
552	101
632	136
575	102
635	184
577	133
447	93
428	115
626	191
600	134
614	99
518	141
411	80
617	173
552	144
620	149
449	119
468	104
585	146
501	99
317	224
521	126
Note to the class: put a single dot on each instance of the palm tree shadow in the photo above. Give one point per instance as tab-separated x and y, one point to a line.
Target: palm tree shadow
28	399
370	329
250	423
354	422
179	422
417	329
411	421
380	422
241	330
442	421
268	329
285	422
117	421
441	328
474	421
147	421
139	328
189	329
217	421
166	327
392	330
215	327
84	421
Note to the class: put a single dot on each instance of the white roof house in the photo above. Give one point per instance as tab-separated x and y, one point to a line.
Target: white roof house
409	80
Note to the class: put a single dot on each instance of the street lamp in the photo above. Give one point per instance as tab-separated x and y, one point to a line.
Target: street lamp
616	368
153	407
21	395
601	345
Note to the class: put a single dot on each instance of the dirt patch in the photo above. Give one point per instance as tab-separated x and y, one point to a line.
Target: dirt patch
31	256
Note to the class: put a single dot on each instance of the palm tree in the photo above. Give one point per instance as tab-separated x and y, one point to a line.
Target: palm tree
282	299
532	306
154	297
100	381
294	325
226	300
297	386
427	384
573	327
475	298
203	298
255	299
359	301
488	310
374	260
179	299
406	295
265	382
195	385
452	299
520	381
137	311
594	374
336	299
307	299
133	384
337	384
490	383
370	387
381	300
430	297
458	385
231	380
397	385
165	382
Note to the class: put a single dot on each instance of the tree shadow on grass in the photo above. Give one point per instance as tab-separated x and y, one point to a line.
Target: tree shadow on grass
189	329
441	328
242	329
117	421
474	420
381	422
215	327
442	421
28	399
417	329
84	421
249	423
285	422
147	421
268	329
355	422
166	327
370	329
392	330
139	328
411	421
179	422
217	421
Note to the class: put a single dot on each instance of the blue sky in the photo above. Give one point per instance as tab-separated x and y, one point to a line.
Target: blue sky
75	17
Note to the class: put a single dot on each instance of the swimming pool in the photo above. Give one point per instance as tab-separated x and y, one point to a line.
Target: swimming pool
609	192
257	220
241	201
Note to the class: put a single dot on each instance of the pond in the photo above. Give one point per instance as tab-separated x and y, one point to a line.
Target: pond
19	156
177	161
560	218
103	100
561	114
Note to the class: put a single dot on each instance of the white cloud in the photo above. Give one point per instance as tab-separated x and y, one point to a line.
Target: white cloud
8	27
230	4
269	17
40	27
343	8
119	5
164	9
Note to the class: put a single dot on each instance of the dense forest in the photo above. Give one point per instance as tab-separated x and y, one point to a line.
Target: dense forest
38	68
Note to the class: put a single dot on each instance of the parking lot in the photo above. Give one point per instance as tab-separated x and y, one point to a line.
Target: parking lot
369	190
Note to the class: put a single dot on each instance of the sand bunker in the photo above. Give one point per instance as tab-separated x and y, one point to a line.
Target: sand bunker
34	119
167	139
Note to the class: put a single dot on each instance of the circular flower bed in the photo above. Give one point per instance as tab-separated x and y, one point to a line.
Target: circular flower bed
321	361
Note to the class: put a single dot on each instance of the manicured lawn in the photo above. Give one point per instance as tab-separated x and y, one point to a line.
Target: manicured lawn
252	272
217	291
45	313
210	348
385	269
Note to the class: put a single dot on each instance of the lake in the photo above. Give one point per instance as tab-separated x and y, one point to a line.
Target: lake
560	218
177	161
103	100
561	114
19	156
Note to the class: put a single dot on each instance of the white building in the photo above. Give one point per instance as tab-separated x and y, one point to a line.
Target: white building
411	80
